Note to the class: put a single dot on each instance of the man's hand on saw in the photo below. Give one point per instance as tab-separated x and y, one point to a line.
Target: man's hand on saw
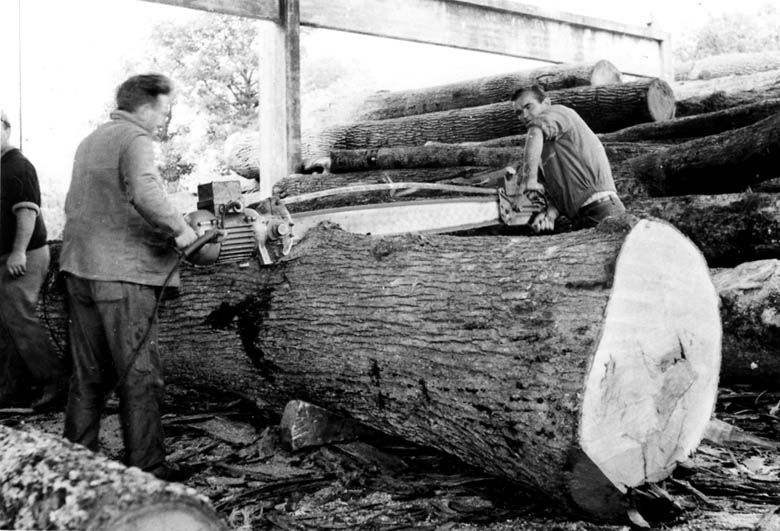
545	221
185	237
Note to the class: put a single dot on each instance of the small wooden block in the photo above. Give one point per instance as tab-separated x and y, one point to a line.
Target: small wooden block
304	424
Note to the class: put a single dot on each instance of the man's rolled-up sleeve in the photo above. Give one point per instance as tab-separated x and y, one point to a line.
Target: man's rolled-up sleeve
145	189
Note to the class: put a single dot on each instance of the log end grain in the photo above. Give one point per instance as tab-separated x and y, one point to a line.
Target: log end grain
652	383
660	100
605	73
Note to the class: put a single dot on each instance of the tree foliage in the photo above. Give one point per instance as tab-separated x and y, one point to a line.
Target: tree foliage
733	32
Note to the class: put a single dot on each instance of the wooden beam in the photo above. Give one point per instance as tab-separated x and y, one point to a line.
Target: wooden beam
259	9
494	26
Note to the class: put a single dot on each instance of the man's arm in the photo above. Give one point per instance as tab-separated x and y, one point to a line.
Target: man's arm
25	225
534	141
144	189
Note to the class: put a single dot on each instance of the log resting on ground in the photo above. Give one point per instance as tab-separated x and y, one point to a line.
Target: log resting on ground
49	483
604	108
729	64
749	297
729	229
579	365
485	90
696	126
727	162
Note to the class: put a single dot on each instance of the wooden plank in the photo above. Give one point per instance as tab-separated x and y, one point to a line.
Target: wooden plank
494	26
260	9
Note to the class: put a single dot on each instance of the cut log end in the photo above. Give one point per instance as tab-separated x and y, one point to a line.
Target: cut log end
660	100
605	73
652	384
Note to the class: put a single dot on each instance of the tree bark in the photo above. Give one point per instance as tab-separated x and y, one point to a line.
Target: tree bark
437	156
729	229
730	64
49	483
485	90
577	365
698	97
699	125
727	162
605	108
749	295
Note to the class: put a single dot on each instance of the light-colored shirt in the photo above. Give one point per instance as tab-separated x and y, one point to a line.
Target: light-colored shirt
574	162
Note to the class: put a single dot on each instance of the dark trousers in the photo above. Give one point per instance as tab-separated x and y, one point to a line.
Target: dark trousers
107	322
25	350
590	215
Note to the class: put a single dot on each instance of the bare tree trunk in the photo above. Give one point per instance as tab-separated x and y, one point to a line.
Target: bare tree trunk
578	365
696	126
729	64
49	483
485	90
437	156
604	108
698	97
727	162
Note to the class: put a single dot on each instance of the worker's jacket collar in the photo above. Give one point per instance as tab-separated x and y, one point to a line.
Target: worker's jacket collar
130	117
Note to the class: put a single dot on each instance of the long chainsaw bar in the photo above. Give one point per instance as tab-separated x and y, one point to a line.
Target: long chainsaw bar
427	216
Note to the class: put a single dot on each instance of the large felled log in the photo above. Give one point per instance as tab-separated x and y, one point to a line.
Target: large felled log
729	229
727	162
728	64
699	125
579	365
751	322
605	108
756	83
485	90
718	99
49	483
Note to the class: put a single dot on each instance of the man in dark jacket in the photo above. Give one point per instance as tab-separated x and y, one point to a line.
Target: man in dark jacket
24	263
117	252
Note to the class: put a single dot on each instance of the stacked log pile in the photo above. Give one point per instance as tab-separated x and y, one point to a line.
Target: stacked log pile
580	365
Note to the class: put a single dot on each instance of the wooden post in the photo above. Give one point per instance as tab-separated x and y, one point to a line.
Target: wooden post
280	114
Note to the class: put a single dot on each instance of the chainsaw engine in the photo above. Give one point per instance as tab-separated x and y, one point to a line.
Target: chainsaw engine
240	233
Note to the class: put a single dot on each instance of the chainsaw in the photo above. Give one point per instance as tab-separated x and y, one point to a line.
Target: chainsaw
229	230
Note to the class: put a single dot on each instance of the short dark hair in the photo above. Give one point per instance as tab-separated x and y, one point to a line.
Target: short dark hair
138	90
534	89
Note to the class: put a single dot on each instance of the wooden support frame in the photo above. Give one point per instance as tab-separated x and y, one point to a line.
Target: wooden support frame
494	26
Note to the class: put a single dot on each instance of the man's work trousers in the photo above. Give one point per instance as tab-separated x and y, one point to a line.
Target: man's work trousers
24	343
108	320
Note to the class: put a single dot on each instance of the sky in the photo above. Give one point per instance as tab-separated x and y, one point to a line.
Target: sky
72	52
